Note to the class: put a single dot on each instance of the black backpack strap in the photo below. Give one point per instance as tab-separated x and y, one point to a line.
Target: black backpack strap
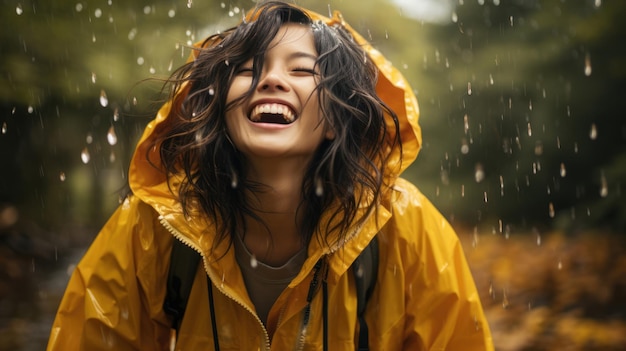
183	266
365	269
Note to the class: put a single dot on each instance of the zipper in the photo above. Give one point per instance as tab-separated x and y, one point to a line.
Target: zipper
179	236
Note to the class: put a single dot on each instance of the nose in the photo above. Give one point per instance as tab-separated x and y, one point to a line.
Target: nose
272	81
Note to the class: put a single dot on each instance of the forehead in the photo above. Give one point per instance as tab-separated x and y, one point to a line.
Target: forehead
294	35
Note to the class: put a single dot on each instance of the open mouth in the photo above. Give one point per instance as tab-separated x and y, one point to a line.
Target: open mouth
272	113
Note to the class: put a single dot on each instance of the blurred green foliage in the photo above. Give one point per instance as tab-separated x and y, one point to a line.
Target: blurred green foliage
521	101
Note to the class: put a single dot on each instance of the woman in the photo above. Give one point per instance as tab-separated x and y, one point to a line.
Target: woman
277	159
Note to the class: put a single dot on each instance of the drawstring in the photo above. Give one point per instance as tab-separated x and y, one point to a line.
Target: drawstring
216	342
325	312
307	311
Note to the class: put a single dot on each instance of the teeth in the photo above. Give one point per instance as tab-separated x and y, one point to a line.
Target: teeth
275	109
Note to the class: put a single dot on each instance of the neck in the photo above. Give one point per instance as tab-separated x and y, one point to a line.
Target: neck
281	190
278	237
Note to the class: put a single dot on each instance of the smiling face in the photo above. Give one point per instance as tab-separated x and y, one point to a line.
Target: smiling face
282	118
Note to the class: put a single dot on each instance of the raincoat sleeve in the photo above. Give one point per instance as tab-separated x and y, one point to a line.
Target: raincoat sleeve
113	300
442	306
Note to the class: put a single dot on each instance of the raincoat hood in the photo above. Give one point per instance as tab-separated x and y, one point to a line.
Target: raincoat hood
392	88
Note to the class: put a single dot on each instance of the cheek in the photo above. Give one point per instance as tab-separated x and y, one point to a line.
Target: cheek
238	88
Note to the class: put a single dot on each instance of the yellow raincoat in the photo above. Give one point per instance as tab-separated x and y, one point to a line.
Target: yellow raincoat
424	297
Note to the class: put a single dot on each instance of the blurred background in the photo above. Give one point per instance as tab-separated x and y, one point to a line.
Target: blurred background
523	114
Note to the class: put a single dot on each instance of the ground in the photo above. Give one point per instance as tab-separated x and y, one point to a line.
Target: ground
552	291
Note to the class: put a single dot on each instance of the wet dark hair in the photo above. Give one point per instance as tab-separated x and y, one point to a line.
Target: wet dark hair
350	169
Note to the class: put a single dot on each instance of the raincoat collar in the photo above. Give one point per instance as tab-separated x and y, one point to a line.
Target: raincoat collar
149	183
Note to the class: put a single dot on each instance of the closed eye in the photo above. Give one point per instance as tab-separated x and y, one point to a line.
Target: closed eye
303	70
246	71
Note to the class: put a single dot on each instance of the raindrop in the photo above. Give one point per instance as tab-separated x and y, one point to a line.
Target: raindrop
485	197
171	13
598	3
98	13
140	60
84	155
234	181
152	70
104	101
4	127
79	7
551	211
359	271
116	114
511	20
112	157
319	188
132	34
530	129
538	240
559	265
62	176
198	134
469	88
445	177
604	187
93	77
211	91
146	10
124	312
538	148
466	123
536	167
587	65
19	9
89	138
496	2
505	299
593	133
189	3
490	79
455	17
226	63
479	173
30	109
111	136
464	147
253	262
501	186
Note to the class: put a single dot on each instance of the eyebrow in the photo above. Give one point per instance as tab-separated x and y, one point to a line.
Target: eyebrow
302	54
